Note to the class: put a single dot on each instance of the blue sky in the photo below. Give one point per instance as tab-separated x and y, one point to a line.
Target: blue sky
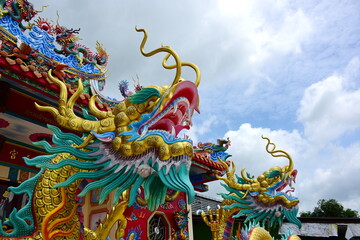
288	70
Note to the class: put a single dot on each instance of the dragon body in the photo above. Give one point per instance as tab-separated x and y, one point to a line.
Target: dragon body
261	199
135	144
68	40
18	10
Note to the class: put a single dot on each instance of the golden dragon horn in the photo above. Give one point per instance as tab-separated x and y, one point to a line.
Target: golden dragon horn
279	153
245	177
66	117
178	64
193	66
42	9
230	180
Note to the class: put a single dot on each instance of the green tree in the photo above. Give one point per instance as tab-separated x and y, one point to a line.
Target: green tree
330	208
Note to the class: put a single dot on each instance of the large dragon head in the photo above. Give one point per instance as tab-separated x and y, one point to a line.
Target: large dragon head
139	137
269	195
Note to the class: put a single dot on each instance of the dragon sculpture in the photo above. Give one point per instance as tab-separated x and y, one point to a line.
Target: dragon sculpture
181	219
67	39
216	151
18	10
135	144
261	199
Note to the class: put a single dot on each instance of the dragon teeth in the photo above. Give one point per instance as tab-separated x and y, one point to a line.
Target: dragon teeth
144	131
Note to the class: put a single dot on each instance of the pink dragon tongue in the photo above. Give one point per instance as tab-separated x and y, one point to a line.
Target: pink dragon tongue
163	124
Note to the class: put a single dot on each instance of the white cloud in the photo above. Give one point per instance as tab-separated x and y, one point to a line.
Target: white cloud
333	173
270	27
246	139
287	36
197	130
329	109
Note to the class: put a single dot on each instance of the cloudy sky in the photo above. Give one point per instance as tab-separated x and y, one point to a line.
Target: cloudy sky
288	70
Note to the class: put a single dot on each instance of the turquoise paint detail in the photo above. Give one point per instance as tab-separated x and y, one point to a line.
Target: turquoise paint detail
257	214
18	219
179	181
66	136
105	137
273	173
155	192
60	149
139	181
87	116
143	95
82	175
42	159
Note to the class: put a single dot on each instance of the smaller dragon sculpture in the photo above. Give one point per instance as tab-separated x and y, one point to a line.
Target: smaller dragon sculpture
216	151
19	10
68	40
181	219
260	199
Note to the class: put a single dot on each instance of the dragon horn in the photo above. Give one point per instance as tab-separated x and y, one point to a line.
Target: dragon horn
66	117
279	153
58	17
243	175
42	9
230	180
178	64
187	64
167	49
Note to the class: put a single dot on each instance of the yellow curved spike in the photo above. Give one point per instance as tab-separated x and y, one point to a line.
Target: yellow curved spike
279	153
95	111
51	110
71	102
63	90
66	117
165	49
187	64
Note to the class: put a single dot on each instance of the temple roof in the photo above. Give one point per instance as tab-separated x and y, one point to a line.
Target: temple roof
203	159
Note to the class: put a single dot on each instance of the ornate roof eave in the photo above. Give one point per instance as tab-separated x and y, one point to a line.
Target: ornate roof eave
201	158
18	65
29	53
15	71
